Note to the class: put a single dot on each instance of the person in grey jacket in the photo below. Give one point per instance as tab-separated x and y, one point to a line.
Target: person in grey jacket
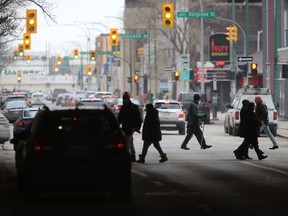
193	125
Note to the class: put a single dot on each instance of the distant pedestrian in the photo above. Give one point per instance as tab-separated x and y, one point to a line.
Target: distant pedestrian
241	152
151	134
193	124
262	113
251	132
130	118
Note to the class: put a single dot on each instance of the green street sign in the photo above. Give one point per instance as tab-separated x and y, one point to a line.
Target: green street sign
196	14
141	36
104	53
185	75
83	53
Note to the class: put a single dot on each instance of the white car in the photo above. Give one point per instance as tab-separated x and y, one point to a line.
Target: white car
232	117
171	115
4	129
38	98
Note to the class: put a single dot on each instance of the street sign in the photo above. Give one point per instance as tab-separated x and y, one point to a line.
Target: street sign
185	75
169	69
245	59
135	36
196	14
104	53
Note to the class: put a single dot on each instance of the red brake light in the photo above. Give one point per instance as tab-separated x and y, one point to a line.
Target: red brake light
237	116
275	116
41	145
22	123
181	115
115	142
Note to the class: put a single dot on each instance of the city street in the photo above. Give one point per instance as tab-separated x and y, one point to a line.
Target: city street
198	182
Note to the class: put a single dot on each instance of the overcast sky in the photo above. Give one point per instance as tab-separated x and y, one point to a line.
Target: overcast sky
62	37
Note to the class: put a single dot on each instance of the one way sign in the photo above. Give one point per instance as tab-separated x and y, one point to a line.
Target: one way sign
245	59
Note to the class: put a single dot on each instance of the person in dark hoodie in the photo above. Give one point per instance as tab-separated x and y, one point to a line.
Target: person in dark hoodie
130	119
151	134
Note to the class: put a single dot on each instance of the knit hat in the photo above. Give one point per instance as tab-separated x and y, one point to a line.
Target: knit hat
126	96
196	97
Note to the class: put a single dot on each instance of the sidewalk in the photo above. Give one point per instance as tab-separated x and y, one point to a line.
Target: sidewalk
282	129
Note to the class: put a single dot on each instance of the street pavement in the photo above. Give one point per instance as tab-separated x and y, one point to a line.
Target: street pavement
282	130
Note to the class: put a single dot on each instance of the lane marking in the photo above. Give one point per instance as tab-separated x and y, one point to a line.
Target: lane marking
267	168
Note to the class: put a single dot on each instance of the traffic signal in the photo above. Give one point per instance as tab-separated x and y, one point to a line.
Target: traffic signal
20	50
19	77
88	70
114	38
31	21
168	15
15	55
254	69
56	67
92	55
136	78
59	60
140	51
129	79
176	75
76	53
232	34
28	59
27	41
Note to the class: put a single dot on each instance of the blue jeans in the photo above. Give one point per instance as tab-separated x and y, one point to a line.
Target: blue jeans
268	133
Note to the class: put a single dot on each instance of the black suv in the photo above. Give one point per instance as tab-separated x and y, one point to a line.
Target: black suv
80	149
185	98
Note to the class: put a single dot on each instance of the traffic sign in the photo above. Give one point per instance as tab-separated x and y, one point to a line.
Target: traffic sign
245	59
135	35
169	69
196	14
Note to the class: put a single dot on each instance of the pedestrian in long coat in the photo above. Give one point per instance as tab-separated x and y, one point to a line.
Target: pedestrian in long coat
151	134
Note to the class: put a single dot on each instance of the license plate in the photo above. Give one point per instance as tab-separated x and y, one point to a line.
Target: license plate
78	150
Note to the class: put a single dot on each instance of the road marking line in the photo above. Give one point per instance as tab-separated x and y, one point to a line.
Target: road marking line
140	173
267	168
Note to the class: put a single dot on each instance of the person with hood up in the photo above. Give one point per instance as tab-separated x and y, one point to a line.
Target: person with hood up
262	113
151	134
130	119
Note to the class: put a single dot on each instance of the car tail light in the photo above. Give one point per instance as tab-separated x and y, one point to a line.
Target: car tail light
41	145
237	116
115	142
275	116
22	123
181	114
116	107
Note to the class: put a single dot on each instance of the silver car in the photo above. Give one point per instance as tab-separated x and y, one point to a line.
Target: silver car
4	129
171	115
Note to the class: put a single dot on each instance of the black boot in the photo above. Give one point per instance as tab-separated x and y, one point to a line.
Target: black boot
163	158
132	158
141	159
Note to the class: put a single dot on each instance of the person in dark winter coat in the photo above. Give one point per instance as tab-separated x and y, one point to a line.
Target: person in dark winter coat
151	134
130	119
193	125
251	131
241	152
262	113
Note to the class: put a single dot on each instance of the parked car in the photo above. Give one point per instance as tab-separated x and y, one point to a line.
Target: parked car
119	103
232	116
11	109
38	98
25	118
4	129
171	115
73	150
185	98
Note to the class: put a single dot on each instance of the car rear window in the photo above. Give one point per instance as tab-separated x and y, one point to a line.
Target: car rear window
190	97
267	99
167	106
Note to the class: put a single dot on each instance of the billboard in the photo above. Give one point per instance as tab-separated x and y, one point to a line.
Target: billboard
219	48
